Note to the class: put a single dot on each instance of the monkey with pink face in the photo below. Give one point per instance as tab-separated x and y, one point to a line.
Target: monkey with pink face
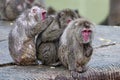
75	48
22	36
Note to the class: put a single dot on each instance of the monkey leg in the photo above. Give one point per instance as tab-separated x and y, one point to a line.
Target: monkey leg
81	69
88	50
71	61
58	63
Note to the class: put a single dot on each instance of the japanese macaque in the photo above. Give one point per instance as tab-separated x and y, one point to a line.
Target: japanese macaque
75	47
22	37
47	42
11	9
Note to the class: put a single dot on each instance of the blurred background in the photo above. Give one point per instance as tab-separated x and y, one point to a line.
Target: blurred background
103	12
94	10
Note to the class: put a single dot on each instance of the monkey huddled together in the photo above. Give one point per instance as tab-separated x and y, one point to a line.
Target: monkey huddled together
22	37
63	37
47	42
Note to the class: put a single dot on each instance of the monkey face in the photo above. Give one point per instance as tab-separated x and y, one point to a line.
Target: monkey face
66	16
86	35
85	30
38	13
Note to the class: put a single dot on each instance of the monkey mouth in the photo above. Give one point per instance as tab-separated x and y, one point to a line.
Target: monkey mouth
43	15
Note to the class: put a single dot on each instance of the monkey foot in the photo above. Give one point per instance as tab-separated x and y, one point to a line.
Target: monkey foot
74	74
56	64
81	69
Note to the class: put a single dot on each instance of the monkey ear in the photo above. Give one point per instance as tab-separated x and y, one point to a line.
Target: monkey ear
76	10
62	14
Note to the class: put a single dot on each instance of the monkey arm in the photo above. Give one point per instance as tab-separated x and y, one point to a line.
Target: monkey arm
42	25
52	32
89	50
39	27
48	21
71	60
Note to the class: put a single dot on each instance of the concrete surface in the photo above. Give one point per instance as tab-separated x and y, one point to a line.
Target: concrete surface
106	45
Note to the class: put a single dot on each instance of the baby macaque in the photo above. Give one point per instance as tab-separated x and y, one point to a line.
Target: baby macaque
47	42
22	37
75	48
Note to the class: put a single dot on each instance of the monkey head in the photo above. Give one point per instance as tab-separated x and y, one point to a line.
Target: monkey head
37	13
65	16
83	30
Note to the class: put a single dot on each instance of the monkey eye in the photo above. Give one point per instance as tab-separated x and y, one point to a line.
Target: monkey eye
89	31
68	21
84	31
34	10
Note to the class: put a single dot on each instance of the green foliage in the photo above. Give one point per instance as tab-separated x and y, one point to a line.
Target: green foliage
95	10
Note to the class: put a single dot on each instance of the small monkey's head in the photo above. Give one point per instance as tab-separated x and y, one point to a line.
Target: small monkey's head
83	30
38	13
65	16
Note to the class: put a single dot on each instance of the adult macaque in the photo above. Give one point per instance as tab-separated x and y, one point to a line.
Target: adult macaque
75	48
47	42
22	37
13	8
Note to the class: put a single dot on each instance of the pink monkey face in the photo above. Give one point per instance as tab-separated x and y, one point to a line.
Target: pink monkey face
38	13
86	34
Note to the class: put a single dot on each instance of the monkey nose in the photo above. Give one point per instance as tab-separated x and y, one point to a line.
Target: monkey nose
43	15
